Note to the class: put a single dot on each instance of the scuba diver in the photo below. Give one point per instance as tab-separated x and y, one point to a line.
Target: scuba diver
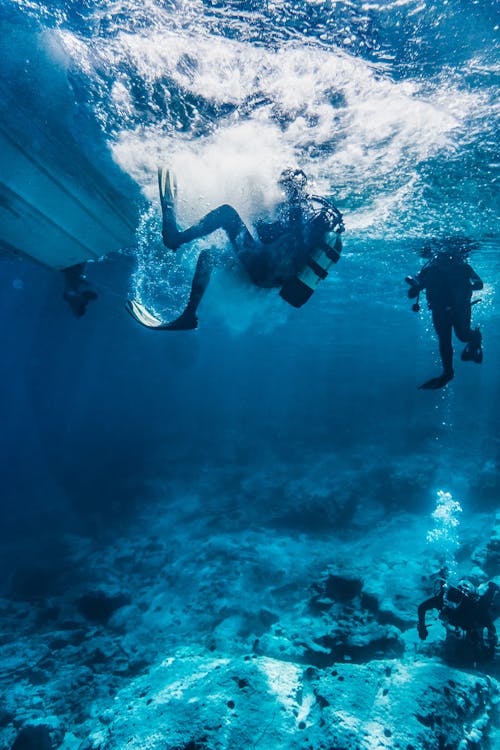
293	252
466	614
77	291
449	281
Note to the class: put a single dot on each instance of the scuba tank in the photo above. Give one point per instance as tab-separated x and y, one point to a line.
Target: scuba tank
328	220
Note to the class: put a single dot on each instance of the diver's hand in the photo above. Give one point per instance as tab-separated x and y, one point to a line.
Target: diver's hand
491	643
422	631
414	289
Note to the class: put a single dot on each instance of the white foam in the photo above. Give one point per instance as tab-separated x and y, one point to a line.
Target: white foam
353	129
360	135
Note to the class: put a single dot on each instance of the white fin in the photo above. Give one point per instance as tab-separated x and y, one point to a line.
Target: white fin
167	185
142	315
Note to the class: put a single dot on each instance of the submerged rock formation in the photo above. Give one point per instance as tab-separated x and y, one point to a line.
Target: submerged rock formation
240	638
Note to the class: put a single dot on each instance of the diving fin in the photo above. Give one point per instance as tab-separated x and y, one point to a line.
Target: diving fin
435	383
142	315
473	351
167	185
187	321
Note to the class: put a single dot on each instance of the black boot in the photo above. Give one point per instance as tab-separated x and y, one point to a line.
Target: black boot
473	351
187	321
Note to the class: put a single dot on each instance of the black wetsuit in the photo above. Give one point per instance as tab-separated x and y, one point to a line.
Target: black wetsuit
448	284
281	252
282	249
470	615
77	291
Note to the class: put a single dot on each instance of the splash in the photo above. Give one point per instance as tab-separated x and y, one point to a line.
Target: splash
227	113
444	535
160	280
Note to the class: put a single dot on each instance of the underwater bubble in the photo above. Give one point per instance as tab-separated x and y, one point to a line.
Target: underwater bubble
444	535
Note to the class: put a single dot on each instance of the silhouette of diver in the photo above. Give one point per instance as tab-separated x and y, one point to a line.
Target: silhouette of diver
282	251
466	614
449	281
77	291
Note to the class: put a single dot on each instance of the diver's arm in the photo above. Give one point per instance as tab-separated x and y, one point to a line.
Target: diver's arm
475	281
268	231
491	637
487	602
271	227
435	602
416	285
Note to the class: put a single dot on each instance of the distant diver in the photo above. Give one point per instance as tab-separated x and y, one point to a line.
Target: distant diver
468	615
449	281
293	253
77	291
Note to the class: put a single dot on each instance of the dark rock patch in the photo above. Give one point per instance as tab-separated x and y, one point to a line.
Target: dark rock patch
33	738
387	647
97	606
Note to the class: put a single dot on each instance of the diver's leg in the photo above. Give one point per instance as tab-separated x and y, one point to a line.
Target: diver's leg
224	217
462	325
203	271
73	275
77	291
188	320
442	326
461	322
169	231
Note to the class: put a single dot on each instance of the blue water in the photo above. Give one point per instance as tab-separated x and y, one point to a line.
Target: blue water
392	109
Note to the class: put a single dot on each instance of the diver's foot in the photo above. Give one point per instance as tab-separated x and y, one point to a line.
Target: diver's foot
169	240
78	301
167	185
472	354
435	383
473	351
185	322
